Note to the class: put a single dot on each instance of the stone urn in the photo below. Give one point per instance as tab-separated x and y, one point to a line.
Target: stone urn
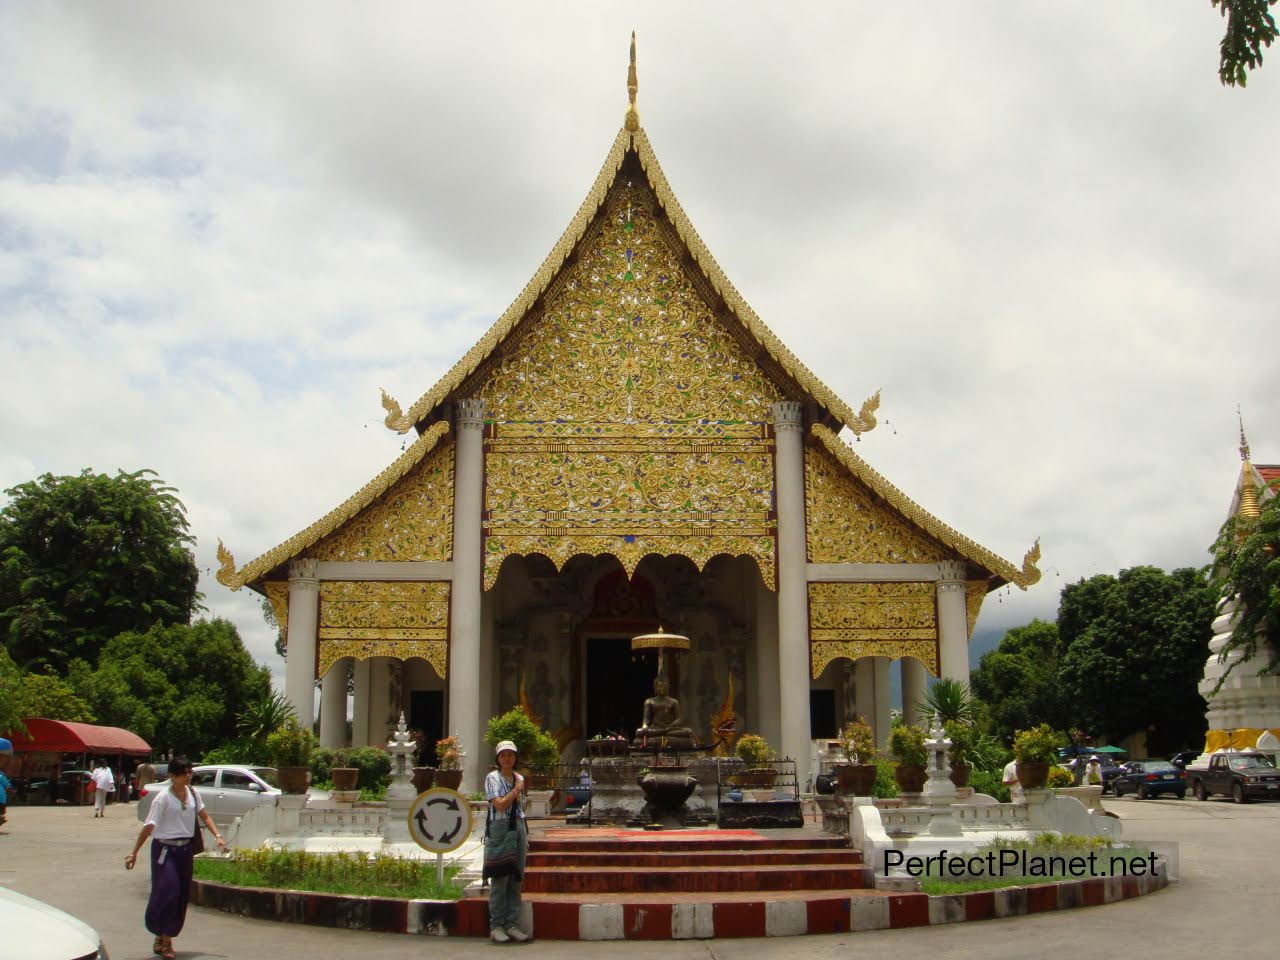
423	777
293	779
910	777
1033	776
344	778
855	779
666	789
448	778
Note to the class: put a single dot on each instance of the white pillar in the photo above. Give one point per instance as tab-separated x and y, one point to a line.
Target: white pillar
767	706
333	704
300	657
468	573
884	719
953	622
383	714
913	689
360	704
792	573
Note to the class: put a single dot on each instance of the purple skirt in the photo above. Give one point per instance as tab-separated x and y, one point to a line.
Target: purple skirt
170	888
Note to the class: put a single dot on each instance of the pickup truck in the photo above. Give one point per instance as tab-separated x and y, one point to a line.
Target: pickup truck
1240	776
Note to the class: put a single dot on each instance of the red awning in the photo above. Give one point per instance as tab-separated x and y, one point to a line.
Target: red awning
63	736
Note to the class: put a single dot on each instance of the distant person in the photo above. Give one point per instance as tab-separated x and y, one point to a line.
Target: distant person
1093	772
5	784
171	824
1010	779
104	782
144	773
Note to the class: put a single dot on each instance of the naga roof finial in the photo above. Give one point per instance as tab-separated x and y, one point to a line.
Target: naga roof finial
632	121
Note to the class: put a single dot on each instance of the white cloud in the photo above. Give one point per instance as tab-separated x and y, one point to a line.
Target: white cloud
1046	233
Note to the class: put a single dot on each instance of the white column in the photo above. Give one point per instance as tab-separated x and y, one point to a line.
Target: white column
333	704
360	704
464	619
382	716
953	622
884	719
767	704
793	601
300	650
913	689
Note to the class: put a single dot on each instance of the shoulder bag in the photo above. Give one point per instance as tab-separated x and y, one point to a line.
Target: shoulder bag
197	838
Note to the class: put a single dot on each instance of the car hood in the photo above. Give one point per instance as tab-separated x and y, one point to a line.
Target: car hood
37	931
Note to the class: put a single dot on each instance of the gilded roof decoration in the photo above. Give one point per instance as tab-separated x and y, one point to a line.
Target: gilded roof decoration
975	591
847	523
411	521
637	142
277	594
371	491
823	652
435	652
403	619
853	620
912	511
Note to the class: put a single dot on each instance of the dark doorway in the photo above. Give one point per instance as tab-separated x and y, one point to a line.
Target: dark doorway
822	714
426	713
618	684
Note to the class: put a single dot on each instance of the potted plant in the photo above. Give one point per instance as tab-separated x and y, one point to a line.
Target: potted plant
449	760
542	762
963	740
906	743
607	745
423	775
290	746
534	746
754	751
858	744
1035	750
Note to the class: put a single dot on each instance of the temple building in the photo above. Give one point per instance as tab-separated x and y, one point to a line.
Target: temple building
628	448
1247	705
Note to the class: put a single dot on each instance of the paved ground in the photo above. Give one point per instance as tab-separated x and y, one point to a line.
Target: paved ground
1230	871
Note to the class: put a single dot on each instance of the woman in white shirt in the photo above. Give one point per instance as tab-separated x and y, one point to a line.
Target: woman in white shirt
171	824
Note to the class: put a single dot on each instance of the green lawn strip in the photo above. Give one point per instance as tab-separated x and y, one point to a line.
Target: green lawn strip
422	887
942	888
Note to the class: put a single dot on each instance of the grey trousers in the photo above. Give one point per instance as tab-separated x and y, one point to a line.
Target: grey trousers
504	892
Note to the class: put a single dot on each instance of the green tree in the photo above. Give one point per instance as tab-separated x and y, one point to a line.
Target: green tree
1250	27
1246	569
24	695
1133	652
83	558
13	701
1018	681
179	687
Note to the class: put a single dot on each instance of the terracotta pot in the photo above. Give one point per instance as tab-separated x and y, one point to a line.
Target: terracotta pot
294	779
855	779
1033	776
910	777
449	778
344	778
960	774
423	778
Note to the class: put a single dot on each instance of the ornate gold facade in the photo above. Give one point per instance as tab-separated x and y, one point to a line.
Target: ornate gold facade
628	420
872	620
362	619
846	523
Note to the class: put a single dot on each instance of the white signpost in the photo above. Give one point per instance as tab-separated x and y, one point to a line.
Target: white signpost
440	821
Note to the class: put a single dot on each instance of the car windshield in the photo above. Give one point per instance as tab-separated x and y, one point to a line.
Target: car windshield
267	775
1248	763
1158	766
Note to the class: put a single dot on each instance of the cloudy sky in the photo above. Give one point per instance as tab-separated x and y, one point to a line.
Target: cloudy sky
1042	228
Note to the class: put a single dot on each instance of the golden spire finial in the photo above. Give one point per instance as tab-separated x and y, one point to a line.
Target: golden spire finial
1248	491
632	121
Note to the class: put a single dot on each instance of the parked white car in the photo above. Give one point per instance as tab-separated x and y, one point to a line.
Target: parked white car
34	930
229	791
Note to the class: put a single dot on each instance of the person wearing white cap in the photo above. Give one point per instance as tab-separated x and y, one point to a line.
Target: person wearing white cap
1093	772
505	845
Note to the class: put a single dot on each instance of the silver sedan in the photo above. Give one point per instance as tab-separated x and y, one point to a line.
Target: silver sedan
228	790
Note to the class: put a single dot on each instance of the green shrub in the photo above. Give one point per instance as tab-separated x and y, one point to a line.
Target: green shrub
323	760
990	783
1060	777
858	741
906	743
962	739
241	750
546	752
374	764
754	750
1037	745
533	744
290	744
885	786
378	874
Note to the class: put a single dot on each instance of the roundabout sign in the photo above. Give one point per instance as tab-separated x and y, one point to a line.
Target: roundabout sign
440	821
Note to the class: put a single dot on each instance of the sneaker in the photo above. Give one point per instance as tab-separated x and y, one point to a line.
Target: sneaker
516	934
499	935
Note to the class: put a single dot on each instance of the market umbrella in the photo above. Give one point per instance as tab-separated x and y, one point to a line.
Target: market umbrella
5	746
1103	750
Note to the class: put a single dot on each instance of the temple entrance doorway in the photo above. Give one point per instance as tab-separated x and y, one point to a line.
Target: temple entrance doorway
426	713
618	683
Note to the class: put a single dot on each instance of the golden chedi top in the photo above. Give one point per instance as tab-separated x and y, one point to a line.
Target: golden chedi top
1248	490
632	121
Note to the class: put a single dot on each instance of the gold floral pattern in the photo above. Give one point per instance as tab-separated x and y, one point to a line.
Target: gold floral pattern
413	520
823	652
363	619
435	652
847	523
975	591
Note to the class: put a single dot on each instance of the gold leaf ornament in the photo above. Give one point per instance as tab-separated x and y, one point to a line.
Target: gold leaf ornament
226	574
1030	572
395	419
866	421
